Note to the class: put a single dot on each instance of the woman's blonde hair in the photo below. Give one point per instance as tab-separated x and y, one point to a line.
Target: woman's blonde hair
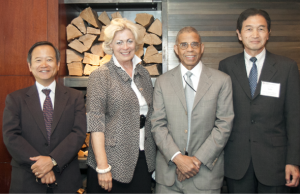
117	25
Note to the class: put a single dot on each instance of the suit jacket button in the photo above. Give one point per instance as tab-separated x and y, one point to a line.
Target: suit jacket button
185	131
145	138
252	121
46	144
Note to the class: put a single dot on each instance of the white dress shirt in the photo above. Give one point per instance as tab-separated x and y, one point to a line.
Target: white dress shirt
259	63
196	71
42	96
142	101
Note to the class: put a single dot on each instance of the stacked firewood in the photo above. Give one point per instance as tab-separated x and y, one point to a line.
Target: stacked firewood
85	35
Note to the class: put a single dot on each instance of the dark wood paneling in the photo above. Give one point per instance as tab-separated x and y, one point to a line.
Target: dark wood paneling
216	22
62	37
5	170
22	23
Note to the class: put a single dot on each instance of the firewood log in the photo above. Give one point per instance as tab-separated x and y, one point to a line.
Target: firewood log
87	40
75	68
144	19
152	39
140	52
89	68
141	30
72	33
153	70
151	50
101	38
78	46
116	15
91	59
157	58
105	59
72	56
91	17
104	18
79	23
97	49
91	30
156	27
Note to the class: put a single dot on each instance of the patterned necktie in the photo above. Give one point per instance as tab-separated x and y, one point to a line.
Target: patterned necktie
253	76
189	96
48	112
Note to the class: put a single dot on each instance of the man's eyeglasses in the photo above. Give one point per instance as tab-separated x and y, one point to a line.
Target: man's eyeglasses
185	45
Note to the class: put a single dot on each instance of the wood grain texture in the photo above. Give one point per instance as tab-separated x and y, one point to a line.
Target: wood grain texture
5	169
22	23
216	23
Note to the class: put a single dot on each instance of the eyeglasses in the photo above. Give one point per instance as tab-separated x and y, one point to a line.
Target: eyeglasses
185	45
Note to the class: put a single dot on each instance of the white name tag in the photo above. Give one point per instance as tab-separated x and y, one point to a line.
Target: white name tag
270	89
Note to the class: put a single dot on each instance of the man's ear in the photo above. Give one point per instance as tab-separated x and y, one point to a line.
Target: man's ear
29	66
239	34
176	49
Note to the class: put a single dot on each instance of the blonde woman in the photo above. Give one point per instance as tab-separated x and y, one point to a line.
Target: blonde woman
119	106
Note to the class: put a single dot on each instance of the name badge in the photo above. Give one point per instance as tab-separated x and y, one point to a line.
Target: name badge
270	89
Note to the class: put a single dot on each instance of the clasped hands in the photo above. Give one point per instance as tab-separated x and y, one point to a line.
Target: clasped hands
187	166
42	168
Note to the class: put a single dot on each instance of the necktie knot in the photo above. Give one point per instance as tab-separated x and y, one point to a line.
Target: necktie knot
188	74
46	91
253	59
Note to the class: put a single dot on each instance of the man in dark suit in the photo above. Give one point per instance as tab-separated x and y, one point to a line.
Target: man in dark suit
263	151
44	127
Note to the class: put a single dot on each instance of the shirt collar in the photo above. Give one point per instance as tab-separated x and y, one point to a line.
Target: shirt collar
40	87
196	70
259	57
135	61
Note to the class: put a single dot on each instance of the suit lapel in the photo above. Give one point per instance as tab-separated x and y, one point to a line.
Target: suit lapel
34	106
203	85
178	86
240	73
267	72
61	99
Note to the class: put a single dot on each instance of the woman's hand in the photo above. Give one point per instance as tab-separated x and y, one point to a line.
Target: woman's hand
105	181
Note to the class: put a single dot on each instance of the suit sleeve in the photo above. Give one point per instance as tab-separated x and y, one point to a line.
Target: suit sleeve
292	114
67	149
18	147
160	132
213	146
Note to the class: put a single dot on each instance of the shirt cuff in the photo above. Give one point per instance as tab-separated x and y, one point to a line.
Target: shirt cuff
175	155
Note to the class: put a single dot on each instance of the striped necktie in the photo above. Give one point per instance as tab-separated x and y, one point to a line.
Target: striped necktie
48	112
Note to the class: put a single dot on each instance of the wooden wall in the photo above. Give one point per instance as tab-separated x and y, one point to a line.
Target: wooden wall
22	23
216	22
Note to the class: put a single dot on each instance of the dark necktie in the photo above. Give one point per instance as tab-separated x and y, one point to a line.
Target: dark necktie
48	112
189	96
253	76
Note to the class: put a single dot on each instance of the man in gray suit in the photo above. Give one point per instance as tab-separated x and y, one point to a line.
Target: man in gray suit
191	122
263	152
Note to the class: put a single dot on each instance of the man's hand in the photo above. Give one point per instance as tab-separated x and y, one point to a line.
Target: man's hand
188	166
180	176
291	170
49	178
42	165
